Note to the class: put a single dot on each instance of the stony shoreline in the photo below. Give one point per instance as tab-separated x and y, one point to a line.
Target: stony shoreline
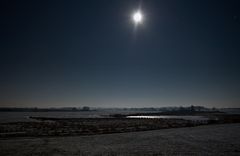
211	140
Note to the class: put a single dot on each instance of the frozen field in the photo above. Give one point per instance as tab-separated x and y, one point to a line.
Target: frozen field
204	140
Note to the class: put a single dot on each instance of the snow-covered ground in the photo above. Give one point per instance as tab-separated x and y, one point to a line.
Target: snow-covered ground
204	140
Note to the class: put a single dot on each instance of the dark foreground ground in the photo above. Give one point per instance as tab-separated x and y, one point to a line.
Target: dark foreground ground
223	139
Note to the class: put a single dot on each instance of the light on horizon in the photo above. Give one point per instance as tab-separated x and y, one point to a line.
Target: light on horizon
137	17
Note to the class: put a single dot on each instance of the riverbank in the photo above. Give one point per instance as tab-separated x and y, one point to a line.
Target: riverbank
50	127
88	126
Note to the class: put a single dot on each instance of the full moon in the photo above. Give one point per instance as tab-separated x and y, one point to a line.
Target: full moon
137	17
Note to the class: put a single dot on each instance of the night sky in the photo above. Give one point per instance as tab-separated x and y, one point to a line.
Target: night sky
90	53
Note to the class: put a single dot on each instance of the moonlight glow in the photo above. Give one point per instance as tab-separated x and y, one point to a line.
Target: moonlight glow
137	17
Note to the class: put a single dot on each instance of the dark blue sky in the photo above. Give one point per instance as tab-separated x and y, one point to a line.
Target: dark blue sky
76	53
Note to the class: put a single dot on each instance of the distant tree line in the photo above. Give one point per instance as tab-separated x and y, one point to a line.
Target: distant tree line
164	109
35	109
191	108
